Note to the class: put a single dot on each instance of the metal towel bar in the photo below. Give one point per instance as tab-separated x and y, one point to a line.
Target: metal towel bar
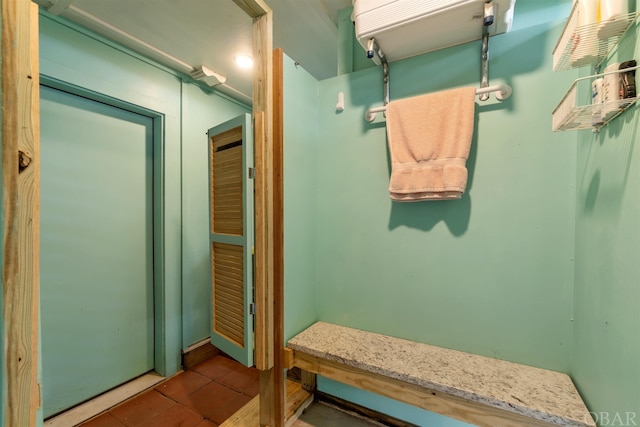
502	92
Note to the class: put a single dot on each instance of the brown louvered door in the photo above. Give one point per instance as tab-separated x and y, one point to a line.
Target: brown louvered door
231	230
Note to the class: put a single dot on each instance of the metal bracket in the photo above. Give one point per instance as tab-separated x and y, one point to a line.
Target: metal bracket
487	22
374	49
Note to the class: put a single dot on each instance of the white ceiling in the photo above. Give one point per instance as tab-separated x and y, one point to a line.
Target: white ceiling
185	34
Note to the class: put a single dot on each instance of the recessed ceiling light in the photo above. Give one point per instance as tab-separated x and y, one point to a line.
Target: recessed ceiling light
243	61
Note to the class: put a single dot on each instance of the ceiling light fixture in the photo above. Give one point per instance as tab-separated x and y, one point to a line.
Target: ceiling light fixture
243	61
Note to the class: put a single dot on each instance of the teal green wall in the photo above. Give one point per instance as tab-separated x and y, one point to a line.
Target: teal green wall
605	363
490	274
301	147
351	55
85	60
200	111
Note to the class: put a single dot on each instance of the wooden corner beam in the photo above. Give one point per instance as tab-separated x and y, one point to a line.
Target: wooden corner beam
20	211
268	356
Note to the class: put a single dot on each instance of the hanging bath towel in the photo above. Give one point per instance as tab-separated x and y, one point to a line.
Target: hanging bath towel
429	141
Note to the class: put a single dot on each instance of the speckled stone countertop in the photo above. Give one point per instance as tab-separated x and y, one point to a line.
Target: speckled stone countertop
536	393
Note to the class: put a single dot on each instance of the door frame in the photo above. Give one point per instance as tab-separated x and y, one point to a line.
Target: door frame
20	213
21	222
268	226
159	313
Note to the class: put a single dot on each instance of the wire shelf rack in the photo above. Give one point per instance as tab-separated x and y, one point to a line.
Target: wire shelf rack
584	105
581	45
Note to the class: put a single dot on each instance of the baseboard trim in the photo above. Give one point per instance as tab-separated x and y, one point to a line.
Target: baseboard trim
104	402
197	353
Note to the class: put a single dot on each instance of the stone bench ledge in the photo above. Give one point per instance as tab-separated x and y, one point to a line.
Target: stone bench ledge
546	396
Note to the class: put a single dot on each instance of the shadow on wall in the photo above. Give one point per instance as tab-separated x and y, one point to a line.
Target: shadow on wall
425	215
604	180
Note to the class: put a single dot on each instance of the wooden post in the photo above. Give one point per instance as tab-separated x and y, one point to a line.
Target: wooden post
279	386
263	141
268	356
308	380
20	210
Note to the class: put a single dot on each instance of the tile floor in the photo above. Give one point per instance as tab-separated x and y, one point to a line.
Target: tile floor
204	396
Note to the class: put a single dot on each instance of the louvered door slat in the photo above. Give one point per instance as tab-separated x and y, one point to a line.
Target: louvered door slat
228	268
228	279
226	179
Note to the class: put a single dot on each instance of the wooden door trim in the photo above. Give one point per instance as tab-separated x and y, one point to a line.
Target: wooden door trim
268	354
20	211
279	386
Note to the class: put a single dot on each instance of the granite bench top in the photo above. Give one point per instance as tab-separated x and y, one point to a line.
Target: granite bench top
533	392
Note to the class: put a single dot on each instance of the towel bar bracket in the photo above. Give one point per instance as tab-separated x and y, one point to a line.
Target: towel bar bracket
488	21
484	82
374	49
502	92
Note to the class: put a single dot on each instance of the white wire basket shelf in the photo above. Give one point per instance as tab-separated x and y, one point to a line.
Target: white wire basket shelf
581	45
584	105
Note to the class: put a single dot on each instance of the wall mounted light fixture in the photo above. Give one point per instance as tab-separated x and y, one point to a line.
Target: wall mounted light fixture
208	76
